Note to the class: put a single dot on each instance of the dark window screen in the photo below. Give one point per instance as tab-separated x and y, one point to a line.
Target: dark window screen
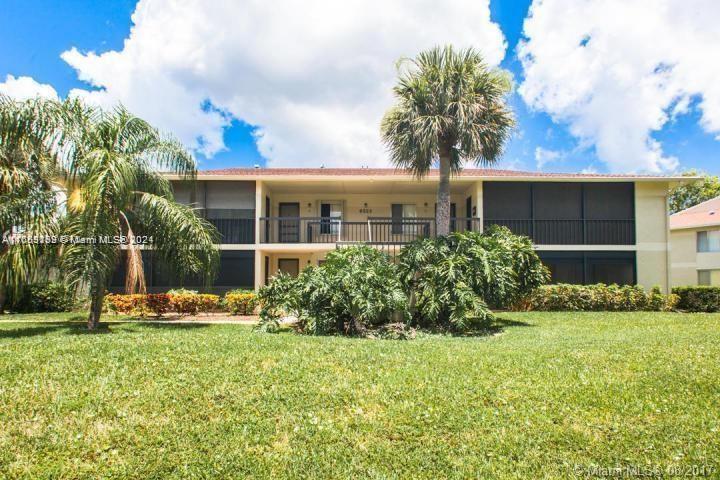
609	201
566	271
590	267
397	213
620	271
565	267
237	269
325	214
507	200
559	201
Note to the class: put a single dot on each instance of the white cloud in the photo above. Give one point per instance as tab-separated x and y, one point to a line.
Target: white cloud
23	88
315	76
618	70
544	156
508	164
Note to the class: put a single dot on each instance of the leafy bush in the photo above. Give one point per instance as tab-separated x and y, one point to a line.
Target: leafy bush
157	303
452	280
355	289
44	297
160	303
600	297
193	303
208	303
698	298
240	302
128	304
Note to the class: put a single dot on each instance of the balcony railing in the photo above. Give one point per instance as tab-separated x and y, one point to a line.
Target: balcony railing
571	232
398	231
378	230
235	230
236	226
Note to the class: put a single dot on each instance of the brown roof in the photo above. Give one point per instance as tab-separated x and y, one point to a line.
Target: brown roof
703	214
350	172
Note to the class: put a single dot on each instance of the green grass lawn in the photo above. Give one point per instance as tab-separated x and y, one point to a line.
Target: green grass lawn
549	392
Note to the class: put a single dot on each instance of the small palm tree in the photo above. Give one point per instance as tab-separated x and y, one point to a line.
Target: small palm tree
451	108
28	171
114	188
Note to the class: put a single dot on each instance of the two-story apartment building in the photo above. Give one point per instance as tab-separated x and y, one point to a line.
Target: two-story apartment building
587	228
695	245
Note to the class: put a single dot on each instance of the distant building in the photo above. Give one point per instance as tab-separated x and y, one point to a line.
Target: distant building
695	245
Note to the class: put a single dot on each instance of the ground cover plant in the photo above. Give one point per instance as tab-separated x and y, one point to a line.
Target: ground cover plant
548	395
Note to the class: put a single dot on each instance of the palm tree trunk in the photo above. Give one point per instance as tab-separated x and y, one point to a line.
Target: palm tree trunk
442	214
3	297
97	293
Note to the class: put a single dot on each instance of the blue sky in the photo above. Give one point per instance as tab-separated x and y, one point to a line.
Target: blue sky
34	34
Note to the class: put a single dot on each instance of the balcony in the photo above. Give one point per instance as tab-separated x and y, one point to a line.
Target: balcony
571	232
235	226
375	231
399	231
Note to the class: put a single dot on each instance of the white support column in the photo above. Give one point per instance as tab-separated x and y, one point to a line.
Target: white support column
259	269
651	235
478	203
259	207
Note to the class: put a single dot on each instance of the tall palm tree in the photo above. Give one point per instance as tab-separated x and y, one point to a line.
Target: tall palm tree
450	108
29	171
114	188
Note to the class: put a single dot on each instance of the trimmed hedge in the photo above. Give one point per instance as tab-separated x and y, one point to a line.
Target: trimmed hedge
599	297
698	298
159	303
240	302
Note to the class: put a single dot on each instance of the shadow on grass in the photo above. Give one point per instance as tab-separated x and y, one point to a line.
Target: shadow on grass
77	326
506	322
51	327
169	326
482	328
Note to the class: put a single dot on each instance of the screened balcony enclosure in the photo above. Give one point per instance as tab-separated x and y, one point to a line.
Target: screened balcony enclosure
376	230
388	230
552	213
236	226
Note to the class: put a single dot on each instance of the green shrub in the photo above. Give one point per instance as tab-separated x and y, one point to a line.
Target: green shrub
157	303
698	298
240	302
193	303
44	297
599	297
160	303
452	280
355	289
128	304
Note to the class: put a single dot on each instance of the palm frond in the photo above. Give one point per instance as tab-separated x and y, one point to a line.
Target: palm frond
186	242
447	99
